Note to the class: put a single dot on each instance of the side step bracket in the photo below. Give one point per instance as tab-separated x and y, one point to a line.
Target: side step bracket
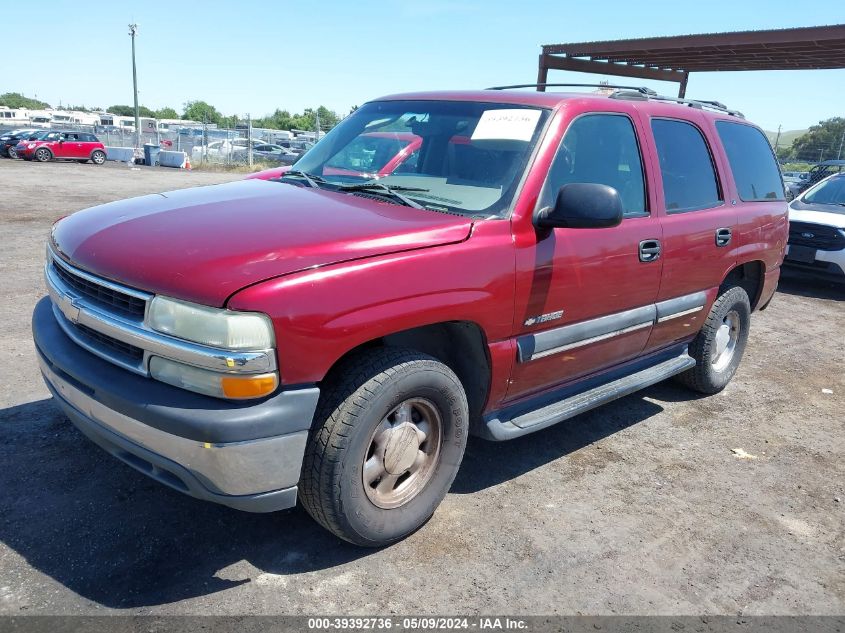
515	421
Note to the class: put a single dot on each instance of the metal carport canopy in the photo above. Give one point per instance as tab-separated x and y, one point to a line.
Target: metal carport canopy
674	58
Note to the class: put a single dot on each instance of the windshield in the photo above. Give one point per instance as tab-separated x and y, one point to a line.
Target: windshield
462	156
831	191
367	155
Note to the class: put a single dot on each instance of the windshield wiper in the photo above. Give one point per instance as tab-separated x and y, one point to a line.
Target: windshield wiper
388	191
312	179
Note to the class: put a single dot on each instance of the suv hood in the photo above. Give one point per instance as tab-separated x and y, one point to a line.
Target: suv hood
831	215
204	244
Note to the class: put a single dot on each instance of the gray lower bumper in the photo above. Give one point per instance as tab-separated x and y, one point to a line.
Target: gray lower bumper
255	476
246	455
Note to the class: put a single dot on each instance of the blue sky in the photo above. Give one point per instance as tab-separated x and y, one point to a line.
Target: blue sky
250	56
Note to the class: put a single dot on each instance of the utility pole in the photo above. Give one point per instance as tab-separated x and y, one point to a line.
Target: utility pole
777	141
841	140
317	117
133	30
249	138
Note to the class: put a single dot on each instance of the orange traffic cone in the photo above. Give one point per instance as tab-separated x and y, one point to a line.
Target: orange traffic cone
188	163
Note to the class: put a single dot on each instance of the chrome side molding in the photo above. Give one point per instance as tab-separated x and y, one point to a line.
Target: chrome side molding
554	341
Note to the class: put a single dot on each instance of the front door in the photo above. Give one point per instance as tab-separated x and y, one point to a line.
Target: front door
586	296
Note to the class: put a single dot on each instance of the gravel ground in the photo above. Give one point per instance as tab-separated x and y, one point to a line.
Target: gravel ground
639	507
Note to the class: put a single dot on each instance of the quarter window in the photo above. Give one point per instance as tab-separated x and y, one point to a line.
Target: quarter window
753	165
602	149
689	179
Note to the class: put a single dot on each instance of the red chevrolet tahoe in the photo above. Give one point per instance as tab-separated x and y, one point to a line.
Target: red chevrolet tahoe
334	337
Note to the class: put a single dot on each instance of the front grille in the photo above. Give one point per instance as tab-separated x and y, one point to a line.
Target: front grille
103	295
818	236
132	352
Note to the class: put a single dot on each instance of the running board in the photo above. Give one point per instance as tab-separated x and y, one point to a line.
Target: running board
516	421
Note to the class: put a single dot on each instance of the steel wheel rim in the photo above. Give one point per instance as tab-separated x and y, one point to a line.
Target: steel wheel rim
725	341
41	155
402	453
99	158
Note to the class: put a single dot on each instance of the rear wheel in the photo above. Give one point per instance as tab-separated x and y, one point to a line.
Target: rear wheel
42	154
719	346
13	153
388	439
98	157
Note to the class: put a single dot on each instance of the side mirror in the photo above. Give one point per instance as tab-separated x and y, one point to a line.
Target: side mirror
582	205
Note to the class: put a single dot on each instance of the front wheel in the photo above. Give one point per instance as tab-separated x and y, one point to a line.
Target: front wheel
98	157
388	438
43	155
719	346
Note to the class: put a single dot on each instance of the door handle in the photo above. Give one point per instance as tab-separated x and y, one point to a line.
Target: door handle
649	250
723	237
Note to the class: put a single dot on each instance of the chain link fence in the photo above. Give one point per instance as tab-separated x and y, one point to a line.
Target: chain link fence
203	144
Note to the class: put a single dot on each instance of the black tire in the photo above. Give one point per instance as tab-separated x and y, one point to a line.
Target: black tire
713	371
43	155
357	399
13	153
98	157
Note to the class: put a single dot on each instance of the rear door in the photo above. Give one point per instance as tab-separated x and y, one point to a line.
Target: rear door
699	242
590	292
88	143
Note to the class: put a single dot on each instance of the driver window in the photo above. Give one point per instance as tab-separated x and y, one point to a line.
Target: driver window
602	149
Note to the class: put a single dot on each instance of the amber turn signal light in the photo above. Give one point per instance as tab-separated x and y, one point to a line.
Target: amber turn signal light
239	387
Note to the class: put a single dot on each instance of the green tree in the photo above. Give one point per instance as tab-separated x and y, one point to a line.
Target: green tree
821	142
201	111
279	120
167	113
328	118
127	110
17	100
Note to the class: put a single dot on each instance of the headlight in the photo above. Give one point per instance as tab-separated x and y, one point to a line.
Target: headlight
211	326
212	383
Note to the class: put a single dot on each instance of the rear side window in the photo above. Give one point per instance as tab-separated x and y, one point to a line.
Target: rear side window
689	179
753	165
602	149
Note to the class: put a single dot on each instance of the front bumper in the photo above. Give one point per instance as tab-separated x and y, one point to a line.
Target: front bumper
243	455
828	265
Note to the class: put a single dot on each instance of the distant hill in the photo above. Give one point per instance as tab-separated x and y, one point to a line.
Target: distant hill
786	137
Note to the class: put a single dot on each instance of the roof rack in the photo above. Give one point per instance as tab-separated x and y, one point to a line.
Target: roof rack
701	104
635	93
640	89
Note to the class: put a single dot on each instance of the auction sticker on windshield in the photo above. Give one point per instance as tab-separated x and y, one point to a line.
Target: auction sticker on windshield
511	125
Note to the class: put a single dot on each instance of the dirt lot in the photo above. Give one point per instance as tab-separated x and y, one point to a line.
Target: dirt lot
639	507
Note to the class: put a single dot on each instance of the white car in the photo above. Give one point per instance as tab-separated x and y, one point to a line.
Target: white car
233	148
817	230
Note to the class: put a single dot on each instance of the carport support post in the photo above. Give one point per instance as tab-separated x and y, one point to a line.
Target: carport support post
682	90
542	74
